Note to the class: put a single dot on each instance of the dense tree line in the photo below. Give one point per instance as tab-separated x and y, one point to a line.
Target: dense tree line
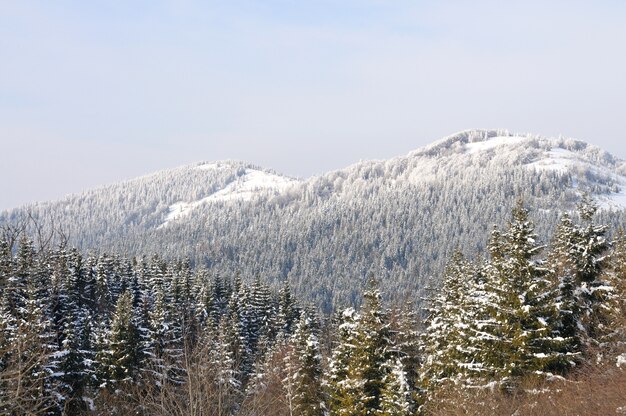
106	334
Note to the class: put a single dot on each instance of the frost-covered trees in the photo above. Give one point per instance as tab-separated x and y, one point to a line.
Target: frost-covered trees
395	398
399	219
106	333
451	325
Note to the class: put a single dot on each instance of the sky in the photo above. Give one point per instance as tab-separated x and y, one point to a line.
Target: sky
94	92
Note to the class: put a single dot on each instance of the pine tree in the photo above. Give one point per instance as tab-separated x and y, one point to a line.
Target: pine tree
372	348
618	275
287	309
578	260
25	380
363	351
590	258
74	356
406	329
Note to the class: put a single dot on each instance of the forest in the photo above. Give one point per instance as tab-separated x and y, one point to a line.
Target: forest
400	219
531	327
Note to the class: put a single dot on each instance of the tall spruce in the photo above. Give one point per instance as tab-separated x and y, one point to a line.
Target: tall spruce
120	356
305	369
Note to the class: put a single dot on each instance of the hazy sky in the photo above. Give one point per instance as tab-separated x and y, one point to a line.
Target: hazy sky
92	92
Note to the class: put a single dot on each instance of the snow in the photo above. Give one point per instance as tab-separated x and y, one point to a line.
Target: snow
251	184
556	160
248	186
492	143
615	201
621	360
211	166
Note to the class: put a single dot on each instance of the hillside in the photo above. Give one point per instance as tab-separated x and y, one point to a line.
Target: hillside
398	219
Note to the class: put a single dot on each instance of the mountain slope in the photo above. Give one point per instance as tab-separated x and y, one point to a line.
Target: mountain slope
398	219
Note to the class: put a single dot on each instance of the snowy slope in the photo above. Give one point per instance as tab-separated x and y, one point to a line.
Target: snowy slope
590	169
252	184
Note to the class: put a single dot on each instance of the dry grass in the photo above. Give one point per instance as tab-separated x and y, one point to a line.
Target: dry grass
595	391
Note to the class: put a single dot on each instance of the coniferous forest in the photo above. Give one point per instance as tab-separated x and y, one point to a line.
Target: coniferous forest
517	330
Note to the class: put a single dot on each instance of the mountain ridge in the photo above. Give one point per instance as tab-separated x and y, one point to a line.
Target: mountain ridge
397	218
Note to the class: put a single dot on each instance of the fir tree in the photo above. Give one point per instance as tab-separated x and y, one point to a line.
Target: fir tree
356	388
450	327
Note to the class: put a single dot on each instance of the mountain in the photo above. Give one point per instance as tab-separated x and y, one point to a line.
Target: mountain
398	219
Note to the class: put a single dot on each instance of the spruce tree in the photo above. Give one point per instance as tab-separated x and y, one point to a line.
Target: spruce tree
450	326
524	341
306	371
396	393
120	357
344	383
225	374
358	365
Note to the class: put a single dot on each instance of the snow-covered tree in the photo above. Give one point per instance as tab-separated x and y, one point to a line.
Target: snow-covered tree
120	356
396	394
304	372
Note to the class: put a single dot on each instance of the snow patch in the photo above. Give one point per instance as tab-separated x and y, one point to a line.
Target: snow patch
211	166
251	184
492	143
556	160
621	360
615	201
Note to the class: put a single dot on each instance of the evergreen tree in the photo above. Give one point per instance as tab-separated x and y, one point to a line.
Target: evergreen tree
356	388
451	340
373	346
26	385
222	362
343	383
524	341
120	358
305	372
396	393
287	309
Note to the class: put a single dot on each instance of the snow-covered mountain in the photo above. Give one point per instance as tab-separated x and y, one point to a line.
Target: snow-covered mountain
397	218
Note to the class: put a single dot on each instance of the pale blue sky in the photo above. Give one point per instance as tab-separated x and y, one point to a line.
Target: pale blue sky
92	92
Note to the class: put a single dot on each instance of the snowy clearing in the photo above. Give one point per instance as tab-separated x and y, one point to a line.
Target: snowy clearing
493	142
612	202
557	160
212	166
250	185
